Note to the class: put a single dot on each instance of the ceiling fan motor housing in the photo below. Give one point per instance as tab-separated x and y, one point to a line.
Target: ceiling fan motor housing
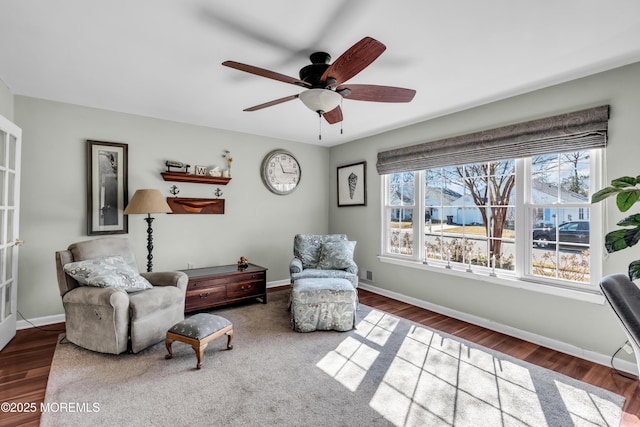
313	72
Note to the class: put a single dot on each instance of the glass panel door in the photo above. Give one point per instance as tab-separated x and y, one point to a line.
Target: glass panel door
10	149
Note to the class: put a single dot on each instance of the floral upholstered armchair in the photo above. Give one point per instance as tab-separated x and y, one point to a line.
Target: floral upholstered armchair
321	256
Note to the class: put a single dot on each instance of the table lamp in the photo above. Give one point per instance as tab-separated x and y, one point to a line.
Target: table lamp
148	201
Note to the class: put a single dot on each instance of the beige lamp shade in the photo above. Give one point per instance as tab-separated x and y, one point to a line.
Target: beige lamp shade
147	201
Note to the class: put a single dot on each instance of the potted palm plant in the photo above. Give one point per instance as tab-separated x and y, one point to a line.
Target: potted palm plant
626	190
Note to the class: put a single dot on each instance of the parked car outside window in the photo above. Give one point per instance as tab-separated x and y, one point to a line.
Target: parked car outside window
569	234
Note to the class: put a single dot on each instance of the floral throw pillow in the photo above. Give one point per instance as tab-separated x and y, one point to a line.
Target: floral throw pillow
336	255
109	272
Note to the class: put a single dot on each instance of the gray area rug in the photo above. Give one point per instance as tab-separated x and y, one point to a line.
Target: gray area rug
388	371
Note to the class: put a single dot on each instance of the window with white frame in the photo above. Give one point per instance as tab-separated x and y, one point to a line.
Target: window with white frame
470	217
525	218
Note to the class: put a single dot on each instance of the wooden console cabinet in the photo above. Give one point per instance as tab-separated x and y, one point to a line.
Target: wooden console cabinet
215	286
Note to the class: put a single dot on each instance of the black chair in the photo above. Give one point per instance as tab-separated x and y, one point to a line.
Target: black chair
624	298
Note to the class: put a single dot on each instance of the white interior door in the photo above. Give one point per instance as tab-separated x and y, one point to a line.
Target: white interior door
10	149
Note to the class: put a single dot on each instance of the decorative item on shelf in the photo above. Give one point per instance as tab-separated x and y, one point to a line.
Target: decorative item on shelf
174	190
201	170
217	193
147	201
243	263
173	164
190	205
227	155
215	171
199	179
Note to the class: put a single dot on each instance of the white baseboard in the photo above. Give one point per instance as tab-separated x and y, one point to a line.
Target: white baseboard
547	342
39	321
277	283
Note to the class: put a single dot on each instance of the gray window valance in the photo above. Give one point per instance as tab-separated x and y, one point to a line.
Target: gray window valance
580	130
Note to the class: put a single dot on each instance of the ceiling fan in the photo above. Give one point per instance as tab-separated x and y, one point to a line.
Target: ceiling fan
325	83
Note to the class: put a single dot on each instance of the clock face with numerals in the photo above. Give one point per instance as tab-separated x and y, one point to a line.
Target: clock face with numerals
280	172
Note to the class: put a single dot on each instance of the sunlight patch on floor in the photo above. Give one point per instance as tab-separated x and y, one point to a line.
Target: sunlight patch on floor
377	327
586	408
436	380
349	362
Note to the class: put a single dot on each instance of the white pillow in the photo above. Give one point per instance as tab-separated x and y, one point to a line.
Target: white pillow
109	272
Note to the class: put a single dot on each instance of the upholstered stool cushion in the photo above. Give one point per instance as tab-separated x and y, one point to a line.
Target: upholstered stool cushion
198	330
200	326
323	304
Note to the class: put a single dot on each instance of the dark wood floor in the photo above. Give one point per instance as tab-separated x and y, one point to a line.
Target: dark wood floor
26	361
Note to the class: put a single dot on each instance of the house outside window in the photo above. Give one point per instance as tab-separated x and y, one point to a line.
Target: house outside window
473	221
510	204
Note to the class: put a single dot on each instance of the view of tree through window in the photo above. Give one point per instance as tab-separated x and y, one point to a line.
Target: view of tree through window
470	214
470	218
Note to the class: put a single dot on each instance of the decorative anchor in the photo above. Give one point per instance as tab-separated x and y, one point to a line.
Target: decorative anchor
216	193
174	190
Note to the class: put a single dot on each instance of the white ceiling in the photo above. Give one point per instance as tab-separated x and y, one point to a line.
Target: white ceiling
162	58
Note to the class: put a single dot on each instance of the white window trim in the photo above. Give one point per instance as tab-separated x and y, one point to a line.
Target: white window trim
519	277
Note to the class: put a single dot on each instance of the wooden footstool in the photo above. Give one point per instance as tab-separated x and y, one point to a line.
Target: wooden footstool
199	330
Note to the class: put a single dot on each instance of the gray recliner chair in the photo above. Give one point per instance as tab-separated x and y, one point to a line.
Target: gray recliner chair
110	320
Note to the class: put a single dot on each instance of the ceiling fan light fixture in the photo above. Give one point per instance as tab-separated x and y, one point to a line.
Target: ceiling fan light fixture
320	100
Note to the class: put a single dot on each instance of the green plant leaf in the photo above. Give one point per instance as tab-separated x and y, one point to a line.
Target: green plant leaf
626	199
630	221
615	241
599	196
634	270
624	181
632	236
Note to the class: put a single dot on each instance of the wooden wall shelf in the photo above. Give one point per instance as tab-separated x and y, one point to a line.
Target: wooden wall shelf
189	177
186	205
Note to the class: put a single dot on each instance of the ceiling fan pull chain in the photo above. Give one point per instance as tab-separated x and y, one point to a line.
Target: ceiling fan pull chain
341	121
319	126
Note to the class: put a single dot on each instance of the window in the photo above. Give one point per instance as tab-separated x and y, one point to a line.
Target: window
464	200
510	203
473	221
560	185
401	209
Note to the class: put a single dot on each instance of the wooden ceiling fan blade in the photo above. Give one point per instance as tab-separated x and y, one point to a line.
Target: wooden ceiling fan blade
355	59
375	93
271	103
265	73
333	116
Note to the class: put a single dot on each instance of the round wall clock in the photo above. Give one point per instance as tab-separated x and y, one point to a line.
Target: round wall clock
280	172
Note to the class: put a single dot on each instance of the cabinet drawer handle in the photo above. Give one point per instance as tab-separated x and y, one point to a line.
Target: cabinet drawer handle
247	287
204	295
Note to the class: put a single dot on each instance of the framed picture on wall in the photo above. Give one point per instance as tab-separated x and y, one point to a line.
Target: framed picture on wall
107	188
352	184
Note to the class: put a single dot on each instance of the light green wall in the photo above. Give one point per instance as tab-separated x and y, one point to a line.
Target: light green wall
260	225
588	326
6	101
257	224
